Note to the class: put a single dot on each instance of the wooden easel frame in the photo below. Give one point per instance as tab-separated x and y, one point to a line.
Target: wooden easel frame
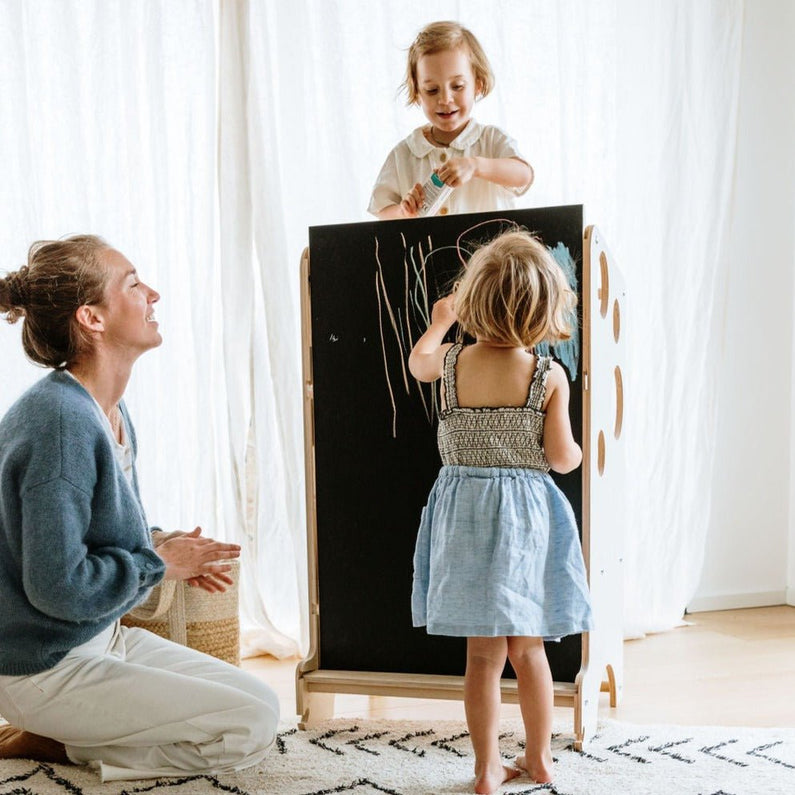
601	667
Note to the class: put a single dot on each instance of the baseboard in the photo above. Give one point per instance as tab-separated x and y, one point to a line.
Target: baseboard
736	601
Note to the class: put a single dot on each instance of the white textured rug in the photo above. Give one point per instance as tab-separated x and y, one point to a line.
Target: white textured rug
425	758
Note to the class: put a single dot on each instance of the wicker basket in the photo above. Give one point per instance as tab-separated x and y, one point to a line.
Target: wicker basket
207	622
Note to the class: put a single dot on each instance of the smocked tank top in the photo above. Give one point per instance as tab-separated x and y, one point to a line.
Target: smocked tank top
504	436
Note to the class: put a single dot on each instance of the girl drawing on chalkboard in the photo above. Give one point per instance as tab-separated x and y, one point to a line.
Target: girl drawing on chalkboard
447	72
498	558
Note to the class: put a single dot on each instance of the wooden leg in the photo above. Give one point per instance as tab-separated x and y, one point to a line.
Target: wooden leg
315	708
610	686
586	706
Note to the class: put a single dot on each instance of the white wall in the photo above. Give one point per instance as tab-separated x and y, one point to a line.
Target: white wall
750	554
791	552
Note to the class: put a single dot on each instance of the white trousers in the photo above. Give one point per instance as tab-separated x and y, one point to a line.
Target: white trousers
134	705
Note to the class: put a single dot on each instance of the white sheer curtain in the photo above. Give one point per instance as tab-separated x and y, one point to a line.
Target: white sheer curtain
107	126
679	77
202	138
627	107
261	328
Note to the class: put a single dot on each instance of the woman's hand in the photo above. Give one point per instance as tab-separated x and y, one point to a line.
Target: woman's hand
198	560
212	583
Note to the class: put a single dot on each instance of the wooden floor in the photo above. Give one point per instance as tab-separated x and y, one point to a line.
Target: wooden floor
728	668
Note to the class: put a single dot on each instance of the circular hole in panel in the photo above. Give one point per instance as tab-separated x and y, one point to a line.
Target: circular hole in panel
619	402
616	321
604	287
600	453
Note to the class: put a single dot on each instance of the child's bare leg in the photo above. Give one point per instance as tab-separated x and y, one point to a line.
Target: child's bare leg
19	744
536	699
485	662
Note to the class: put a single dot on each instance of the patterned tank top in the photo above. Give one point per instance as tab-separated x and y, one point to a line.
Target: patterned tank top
504	436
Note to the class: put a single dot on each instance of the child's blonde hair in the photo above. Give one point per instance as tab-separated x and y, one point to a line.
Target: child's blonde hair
514	293
440	36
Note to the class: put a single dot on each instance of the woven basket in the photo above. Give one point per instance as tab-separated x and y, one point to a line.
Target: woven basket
207	622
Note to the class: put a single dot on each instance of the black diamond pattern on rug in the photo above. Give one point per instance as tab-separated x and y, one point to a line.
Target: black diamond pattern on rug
380	757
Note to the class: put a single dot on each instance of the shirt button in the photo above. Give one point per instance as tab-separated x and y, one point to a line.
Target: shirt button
443	157
443	211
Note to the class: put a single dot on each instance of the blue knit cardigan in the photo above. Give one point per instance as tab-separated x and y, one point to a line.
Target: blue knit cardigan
75	548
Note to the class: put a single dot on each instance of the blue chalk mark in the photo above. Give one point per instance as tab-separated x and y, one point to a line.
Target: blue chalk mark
568	351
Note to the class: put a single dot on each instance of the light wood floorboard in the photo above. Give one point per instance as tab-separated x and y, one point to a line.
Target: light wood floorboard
728	668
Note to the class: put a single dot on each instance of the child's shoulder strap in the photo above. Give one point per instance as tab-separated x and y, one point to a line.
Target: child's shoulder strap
538	383
450	358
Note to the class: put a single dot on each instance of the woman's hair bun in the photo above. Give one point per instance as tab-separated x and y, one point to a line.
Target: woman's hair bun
15	294
18	287
60	276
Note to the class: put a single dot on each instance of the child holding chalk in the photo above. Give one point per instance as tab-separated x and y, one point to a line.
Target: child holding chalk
498	557
447	72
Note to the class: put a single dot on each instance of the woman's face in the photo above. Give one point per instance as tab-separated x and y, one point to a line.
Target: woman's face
127	309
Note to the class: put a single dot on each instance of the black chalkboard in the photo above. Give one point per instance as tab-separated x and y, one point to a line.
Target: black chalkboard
371	286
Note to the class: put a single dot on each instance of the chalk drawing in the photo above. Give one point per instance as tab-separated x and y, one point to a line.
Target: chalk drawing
401	323
403	319
568	351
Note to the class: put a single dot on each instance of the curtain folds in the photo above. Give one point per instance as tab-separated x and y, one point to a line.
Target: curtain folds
203	137
261	331
679	76
107	126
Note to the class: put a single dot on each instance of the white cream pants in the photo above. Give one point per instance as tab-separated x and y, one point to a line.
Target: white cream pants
134	705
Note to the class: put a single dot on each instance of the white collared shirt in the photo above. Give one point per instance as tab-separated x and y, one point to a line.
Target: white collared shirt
414	159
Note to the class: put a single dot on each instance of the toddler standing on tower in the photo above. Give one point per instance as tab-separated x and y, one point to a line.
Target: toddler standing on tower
447	72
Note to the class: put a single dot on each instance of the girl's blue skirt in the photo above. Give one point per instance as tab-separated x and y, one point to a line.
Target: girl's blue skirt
498	553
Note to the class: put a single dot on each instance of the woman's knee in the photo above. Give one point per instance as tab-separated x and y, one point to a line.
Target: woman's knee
257	689
256	734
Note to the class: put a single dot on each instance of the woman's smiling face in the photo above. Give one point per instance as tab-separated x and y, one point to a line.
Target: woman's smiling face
128	306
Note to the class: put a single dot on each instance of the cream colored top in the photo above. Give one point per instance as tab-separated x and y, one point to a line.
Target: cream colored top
414	159
123	451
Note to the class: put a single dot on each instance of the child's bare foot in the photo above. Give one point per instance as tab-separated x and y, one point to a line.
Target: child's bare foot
19	744
489	777
540	771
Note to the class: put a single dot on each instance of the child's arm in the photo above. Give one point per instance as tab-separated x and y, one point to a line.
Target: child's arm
562	452
408	207
426	361
511	172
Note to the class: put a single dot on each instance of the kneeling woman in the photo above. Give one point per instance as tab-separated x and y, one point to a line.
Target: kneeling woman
76	552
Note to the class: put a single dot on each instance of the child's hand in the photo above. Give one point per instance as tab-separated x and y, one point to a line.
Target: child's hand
443	312
457	171
427	356
412	201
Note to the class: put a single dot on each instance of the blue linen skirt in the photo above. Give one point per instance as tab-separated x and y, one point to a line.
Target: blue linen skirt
498	554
